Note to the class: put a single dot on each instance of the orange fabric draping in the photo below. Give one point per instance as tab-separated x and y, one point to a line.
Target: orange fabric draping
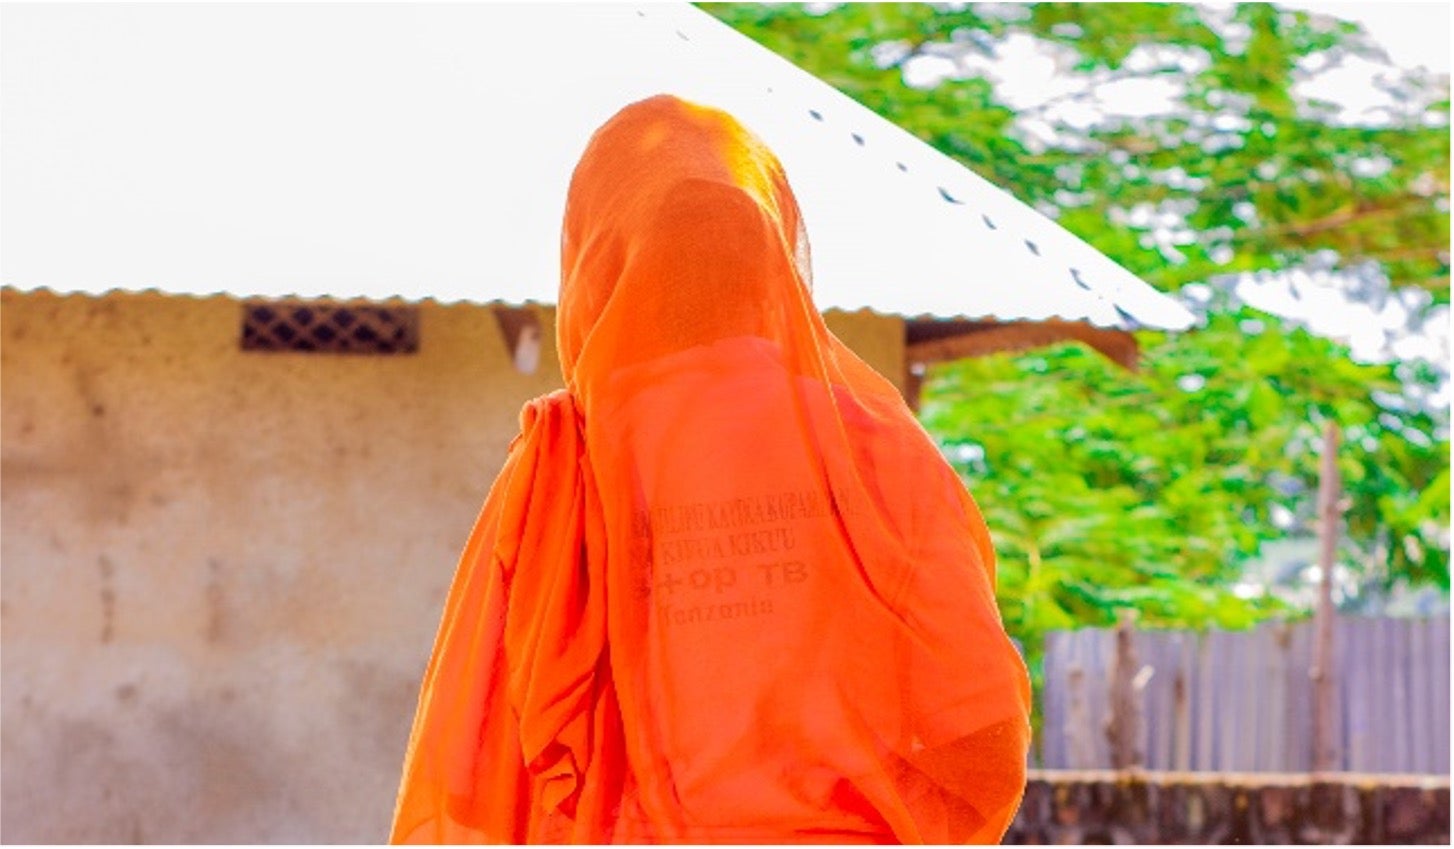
725	588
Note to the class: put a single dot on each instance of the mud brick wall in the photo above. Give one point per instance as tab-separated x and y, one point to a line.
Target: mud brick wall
1221	808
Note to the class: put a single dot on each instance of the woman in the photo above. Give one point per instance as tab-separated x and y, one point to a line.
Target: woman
725	588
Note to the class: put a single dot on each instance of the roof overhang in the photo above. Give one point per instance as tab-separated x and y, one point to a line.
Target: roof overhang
423	152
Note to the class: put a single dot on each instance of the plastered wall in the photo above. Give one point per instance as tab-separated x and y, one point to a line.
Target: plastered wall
220	572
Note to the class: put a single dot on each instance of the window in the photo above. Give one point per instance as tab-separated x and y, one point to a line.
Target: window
329	328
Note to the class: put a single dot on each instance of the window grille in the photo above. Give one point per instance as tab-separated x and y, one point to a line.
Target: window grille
329	328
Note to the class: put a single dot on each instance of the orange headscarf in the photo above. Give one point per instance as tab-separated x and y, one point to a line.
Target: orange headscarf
725	588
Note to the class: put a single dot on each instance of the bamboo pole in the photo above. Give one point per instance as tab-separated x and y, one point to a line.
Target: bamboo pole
1324	690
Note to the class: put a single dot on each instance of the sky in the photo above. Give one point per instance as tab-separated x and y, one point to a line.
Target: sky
1414	34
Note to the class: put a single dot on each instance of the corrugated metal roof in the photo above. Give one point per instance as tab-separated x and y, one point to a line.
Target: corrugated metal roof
423	152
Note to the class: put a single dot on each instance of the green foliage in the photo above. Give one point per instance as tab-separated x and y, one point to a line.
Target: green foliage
1292	168
1106	489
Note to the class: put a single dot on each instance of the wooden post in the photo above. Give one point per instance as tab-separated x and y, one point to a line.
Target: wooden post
1128	679
1324	691
521	328
1078	741
914	374
1181	713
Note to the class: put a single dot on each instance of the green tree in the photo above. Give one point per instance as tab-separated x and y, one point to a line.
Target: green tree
1106	489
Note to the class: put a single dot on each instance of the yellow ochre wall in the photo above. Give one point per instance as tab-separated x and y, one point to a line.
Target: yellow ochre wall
221	571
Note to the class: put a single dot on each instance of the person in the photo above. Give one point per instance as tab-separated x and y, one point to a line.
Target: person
725	588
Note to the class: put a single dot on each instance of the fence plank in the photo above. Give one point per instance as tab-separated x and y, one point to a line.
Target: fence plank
1205	706
1052	695
1267	683
1245	746
1302	685
1158	701
1148	647
1402	715
1260	663
1229	683
1242	700
1438	665
1080	754
1358	679
1104	654
1377	742
1421	699
1275	743
1181	701
1420	715
1160	734
1352	695
1382	721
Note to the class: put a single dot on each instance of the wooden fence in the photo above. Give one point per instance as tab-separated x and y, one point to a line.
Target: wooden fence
1243	701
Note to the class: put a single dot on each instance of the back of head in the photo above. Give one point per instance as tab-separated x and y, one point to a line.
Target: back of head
680	229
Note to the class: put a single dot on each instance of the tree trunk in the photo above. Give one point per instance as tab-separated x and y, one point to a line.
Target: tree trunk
1325	755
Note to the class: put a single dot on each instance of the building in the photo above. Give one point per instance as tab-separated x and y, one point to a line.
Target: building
224	555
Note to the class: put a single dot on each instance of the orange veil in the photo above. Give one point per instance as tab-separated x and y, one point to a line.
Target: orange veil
725	588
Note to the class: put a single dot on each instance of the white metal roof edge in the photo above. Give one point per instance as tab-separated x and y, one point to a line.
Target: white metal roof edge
283	294
430	300
1040	270
1137	303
